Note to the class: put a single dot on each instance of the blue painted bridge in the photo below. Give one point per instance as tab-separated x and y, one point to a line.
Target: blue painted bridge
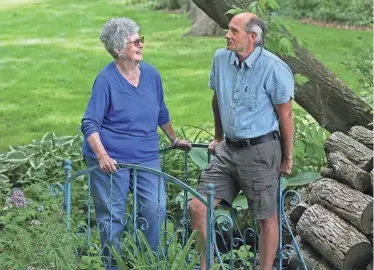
234	245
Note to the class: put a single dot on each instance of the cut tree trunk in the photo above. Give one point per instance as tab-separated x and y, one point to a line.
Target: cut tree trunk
325	97
313	260
345	171
362	135
339	242
349	204
356	152
298	211
202	25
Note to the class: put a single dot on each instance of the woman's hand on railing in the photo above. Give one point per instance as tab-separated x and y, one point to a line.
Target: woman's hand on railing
182	144
107	164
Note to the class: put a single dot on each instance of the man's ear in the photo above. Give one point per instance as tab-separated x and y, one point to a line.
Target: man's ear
252	37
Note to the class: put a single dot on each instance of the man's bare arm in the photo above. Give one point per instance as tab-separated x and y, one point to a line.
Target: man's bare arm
218	130
285	114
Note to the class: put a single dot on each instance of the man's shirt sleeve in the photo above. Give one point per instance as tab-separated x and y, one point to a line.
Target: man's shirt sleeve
280	84
212	81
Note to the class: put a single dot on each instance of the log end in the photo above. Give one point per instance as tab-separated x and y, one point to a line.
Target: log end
297	212
367	219
358	257
362	181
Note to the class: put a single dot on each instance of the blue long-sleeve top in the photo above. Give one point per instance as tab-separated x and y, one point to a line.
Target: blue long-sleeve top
126	117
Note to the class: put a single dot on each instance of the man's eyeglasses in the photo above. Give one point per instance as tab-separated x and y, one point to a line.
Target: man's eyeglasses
137	41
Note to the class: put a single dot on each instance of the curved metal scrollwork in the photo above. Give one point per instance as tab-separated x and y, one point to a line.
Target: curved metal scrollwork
234	242
55	189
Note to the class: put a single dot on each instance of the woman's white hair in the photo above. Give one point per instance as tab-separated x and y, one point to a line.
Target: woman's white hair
115	33
257	26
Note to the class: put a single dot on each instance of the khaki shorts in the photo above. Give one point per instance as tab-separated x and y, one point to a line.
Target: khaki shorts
254	170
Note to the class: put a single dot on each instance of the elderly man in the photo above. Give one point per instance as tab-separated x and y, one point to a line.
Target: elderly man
253	144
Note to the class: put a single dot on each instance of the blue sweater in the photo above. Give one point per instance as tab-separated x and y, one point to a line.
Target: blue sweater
126	117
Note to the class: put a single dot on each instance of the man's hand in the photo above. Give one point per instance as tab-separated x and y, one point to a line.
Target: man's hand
107	164
183	144
286	166
212	146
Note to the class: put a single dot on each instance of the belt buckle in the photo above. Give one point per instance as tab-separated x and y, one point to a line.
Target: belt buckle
247	143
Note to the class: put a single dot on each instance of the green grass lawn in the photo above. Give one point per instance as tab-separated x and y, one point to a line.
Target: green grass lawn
51	53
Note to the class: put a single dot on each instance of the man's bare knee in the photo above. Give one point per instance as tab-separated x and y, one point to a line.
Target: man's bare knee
197	208
269	223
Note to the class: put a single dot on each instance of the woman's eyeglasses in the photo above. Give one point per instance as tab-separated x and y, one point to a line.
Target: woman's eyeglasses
137	41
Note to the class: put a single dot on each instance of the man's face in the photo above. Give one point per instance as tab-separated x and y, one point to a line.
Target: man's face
133	49
238	40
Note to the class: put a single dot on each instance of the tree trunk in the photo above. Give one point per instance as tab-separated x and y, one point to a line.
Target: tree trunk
339	242
312	259
362	135
345	171
202	25
356	152
349	204
325	97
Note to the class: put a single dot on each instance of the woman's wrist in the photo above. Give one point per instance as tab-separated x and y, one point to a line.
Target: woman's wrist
175	142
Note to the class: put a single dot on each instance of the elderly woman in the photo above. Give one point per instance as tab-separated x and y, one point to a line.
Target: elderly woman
120	126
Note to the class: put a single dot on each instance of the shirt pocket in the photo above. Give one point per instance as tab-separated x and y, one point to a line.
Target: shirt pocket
251	93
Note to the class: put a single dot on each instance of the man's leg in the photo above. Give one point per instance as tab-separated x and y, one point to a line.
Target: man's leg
258	174
225	188
198	222
151	202
269	238
100	189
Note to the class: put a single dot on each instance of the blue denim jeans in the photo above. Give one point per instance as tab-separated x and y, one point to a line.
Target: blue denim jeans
151	198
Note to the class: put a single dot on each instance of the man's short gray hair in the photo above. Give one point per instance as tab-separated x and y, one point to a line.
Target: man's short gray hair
257	26
115	33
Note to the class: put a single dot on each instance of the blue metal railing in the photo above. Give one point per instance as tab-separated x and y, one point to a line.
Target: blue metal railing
233	253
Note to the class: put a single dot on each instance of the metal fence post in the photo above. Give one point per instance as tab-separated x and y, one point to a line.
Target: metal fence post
67	206
209	227
280	225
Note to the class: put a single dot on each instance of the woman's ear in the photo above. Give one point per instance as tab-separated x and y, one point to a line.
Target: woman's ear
118	52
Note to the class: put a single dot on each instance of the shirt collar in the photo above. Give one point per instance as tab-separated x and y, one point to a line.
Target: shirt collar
250	60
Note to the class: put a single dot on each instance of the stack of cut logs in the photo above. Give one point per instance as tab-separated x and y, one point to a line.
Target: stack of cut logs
334	226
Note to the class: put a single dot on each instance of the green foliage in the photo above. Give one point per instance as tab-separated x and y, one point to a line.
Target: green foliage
300	79
308	154
137	254
362	66
303	179
35	237
39	162
354	12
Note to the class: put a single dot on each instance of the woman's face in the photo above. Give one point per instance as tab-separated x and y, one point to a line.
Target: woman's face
133	48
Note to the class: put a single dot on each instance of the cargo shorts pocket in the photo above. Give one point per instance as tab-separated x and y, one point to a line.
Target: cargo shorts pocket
265	195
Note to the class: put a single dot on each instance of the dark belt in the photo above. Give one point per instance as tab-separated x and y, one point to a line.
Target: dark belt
247	143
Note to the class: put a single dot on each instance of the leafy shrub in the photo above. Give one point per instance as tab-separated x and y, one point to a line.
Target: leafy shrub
308	154
355	12
40	161
35	235
362	65
138	254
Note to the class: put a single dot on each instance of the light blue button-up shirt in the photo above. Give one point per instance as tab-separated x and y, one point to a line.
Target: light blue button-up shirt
247	93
